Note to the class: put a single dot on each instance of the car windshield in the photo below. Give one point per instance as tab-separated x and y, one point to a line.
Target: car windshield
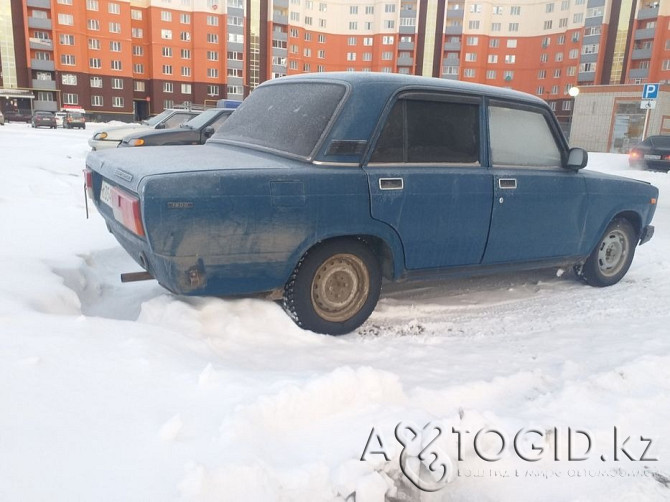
76	115
660	141
158	118
200	120
288	117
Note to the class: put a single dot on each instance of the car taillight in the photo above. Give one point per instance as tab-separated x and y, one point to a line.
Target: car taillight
88	182
126	210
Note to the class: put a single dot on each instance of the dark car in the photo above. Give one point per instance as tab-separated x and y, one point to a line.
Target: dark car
18	115
194	132
320	185
74	119
43	119
652	153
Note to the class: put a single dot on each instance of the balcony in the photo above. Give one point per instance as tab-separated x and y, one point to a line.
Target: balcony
648	13
639	73
452	47
641	54
455	14
39	23
586	76
407	30
279	19
41	44
453	30
46	106
589	58
44	85
406	46
282	4
645	34
405	61
39	64
451	60
39	4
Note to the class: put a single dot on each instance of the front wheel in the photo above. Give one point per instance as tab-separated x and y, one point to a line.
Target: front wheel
611	258
334	288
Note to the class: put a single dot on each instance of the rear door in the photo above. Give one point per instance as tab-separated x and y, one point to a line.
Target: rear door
539	208
427	181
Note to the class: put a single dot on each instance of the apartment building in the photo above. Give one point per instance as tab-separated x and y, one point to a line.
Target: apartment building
130	58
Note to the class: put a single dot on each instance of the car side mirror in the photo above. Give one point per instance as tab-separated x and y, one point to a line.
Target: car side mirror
577	159
208	132
160	126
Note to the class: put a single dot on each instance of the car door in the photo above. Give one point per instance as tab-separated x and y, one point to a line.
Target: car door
539	207
426	179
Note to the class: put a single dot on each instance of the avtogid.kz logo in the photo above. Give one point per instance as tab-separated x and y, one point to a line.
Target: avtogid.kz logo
425	463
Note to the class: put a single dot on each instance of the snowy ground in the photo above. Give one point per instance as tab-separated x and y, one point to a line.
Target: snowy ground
113	392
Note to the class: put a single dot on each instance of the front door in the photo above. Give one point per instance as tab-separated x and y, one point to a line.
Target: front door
539	208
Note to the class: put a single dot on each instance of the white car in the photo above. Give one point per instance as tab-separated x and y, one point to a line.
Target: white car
60	117
111	137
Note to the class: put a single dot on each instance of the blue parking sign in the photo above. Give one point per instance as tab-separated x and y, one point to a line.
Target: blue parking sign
650	91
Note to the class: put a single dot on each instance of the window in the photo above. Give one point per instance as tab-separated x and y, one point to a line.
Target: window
490	74
186	88
96	101
236	38
388	40
430	131
115	46
558	57
469	72
513	26
476	8
369	10
115	64
114	8
471	56
557	73
115	27
508	75
185	36
548	8
212	55
167	52
496	26
68	79
494	43
353	10
92	5
117	83
95	63
353	25
573	54
498	10
185	53
541	74
547	25
387	56
168	87
235	21
93	24
138	68
351	41
66	39
136	32
235	56
578	18
138	50
167	69
563	22
472	40
96	82
212	73
139	86
389	8
117	102
136	14
66	19
351	56
235	89
94	44
322	38
234	72
566	106
473	25
515	10
70	98
213	90
492	59
185	18
510	58
212	38
166	16
166	34
521	138
511	43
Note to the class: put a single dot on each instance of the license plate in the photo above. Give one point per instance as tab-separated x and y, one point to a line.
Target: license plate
652	157
106	193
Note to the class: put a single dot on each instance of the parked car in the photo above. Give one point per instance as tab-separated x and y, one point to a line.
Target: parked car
74	118
111	137
2	118
60	118
320	185
18	115
43	119
194	132
652	153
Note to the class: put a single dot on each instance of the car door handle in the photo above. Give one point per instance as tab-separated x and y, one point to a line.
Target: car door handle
391	184
507	183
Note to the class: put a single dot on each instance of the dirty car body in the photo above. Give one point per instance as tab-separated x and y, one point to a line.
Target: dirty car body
319	186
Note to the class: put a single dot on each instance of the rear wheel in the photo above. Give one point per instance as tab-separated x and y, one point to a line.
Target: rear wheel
611	258
334	288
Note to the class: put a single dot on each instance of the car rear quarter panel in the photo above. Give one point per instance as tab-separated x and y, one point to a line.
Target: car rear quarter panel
248	229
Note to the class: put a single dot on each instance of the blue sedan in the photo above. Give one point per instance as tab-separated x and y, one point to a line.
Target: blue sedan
319	186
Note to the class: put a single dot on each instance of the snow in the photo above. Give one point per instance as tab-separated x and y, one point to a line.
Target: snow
115	392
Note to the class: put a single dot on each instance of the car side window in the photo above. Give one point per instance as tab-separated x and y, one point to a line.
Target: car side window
522	138
176	119
422	130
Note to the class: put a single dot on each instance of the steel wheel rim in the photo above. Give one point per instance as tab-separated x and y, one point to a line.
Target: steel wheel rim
612	253
340	287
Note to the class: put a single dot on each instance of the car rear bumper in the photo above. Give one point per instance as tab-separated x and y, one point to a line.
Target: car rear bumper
646	234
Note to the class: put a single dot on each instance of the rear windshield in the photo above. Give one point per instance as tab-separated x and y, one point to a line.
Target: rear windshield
287	117
158	118
660	141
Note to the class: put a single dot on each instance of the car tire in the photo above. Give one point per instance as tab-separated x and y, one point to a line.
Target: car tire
334	288
611	258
